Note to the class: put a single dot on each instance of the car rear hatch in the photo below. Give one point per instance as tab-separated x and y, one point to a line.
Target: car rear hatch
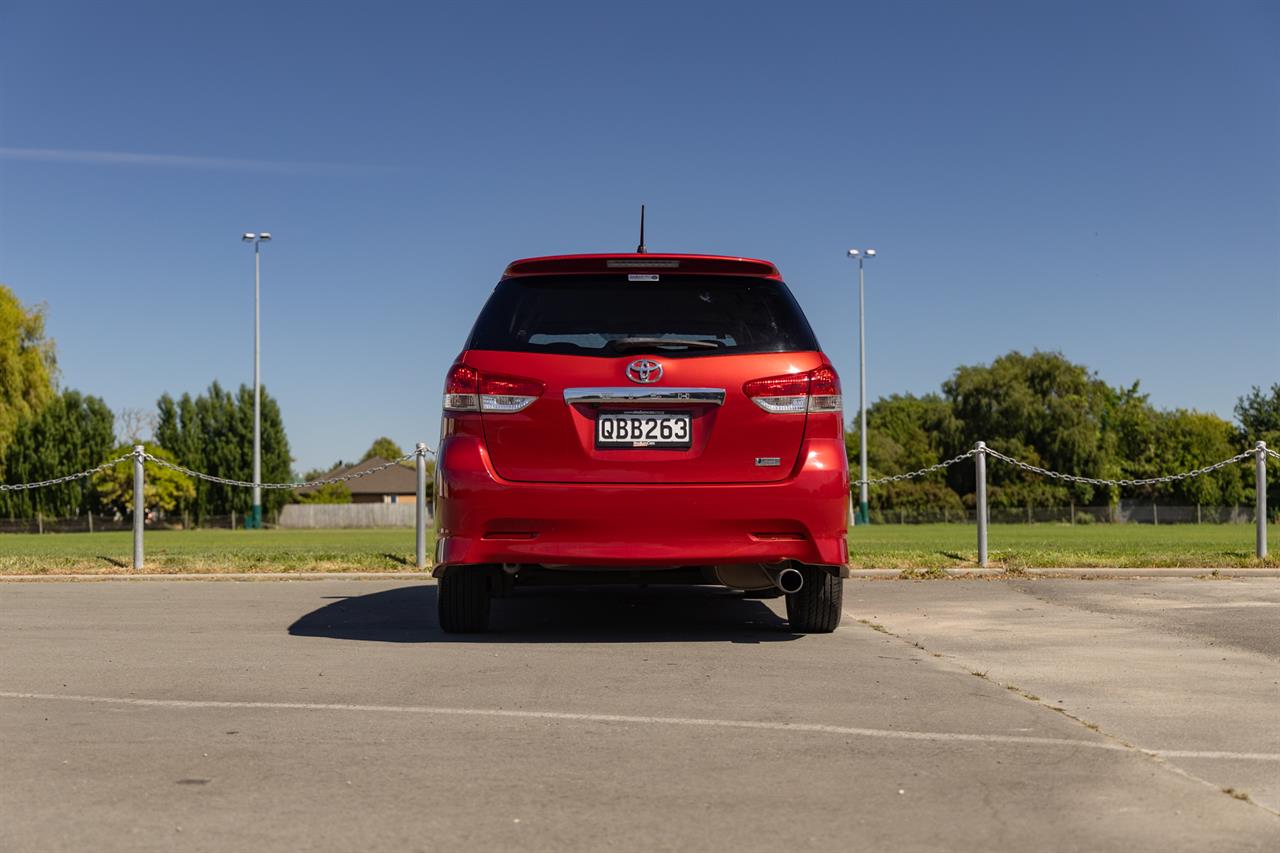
649	376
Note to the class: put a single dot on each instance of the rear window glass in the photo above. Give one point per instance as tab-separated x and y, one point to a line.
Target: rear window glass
612	316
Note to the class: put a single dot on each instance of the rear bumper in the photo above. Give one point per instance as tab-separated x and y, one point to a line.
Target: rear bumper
482	518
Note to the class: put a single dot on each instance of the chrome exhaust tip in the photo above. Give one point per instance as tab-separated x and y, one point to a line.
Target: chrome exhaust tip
789	580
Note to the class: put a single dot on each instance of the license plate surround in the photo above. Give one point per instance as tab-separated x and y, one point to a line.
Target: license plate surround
610	442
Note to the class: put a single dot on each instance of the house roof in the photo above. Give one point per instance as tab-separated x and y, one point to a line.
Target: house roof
395	480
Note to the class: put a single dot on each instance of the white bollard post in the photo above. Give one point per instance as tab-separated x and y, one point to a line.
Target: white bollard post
1260	482
139	507
980	468
420	511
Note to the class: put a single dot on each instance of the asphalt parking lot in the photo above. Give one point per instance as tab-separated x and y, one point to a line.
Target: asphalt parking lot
944	715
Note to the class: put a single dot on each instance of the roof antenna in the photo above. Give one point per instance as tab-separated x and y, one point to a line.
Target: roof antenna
640	250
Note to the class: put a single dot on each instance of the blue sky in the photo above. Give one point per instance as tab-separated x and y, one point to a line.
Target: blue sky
1097	178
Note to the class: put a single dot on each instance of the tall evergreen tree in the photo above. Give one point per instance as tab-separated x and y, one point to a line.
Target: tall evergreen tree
213	434
74	432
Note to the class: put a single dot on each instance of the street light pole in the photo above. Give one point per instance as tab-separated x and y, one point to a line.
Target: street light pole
254	522
863	515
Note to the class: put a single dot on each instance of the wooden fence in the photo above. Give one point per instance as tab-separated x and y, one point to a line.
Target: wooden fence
347	515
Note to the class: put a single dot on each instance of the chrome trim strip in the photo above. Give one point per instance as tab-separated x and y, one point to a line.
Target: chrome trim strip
649	396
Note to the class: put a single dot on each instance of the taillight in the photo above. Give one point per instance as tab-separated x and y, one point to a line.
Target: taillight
462	389
507	393
793	393
824	389
467	390
788	393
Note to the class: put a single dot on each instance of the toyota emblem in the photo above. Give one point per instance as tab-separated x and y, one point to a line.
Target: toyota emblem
644	370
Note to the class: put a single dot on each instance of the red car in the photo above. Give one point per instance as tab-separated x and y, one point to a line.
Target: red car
642	418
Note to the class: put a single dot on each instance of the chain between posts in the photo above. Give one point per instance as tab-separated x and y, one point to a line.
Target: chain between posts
1072	478
1099	481
355	475
164	463
939	467
18	487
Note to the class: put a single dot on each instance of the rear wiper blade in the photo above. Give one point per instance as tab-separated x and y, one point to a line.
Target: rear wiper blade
635	343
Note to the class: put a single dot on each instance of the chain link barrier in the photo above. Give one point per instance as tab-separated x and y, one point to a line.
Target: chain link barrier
19	487
325	481
1071	478
1099	481
913	474
419	454
878	481
164	463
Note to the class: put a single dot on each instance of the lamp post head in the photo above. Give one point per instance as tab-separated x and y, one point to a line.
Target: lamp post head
265	237
871	253
854	253
248	236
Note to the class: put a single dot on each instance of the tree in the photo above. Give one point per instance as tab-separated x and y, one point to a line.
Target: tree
163	488
904	433
383	447
73	432
330	493
28	366
1190	440
213	434
923	500
1040	408
1259	413
135	426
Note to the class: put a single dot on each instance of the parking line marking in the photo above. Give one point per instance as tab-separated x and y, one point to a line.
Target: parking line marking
810	728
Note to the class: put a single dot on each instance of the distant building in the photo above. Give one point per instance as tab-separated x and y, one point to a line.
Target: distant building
393	485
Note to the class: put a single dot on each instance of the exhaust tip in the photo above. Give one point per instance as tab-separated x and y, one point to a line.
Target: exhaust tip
789	580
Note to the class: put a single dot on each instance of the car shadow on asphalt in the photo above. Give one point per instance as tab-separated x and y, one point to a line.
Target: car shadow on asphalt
556	615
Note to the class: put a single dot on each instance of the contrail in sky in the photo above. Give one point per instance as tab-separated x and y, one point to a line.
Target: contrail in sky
182	161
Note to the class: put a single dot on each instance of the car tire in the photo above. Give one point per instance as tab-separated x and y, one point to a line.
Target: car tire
462	599
817	607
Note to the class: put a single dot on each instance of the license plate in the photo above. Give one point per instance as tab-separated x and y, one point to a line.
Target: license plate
644	429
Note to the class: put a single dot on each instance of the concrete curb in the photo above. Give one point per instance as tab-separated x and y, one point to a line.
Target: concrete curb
854	574
1096	572
224	576
1242	572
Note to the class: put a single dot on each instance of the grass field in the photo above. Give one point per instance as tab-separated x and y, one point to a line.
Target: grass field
211	551
925	546
1024	546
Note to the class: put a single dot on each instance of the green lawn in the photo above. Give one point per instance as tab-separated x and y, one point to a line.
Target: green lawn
211	551
894	546
1020	546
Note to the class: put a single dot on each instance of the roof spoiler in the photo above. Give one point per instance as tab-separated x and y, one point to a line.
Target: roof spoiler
637	262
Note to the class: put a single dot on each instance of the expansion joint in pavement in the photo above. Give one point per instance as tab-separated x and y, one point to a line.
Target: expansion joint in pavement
1115	739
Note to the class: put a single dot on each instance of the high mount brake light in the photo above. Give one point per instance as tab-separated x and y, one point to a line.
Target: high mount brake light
467	390
794	393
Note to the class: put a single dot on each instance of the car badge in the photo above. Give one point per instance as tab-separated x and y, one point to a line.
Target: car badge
644	370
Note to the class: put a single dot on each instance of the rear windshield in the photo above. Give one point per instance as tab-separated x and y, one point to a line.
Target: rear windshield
610	315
